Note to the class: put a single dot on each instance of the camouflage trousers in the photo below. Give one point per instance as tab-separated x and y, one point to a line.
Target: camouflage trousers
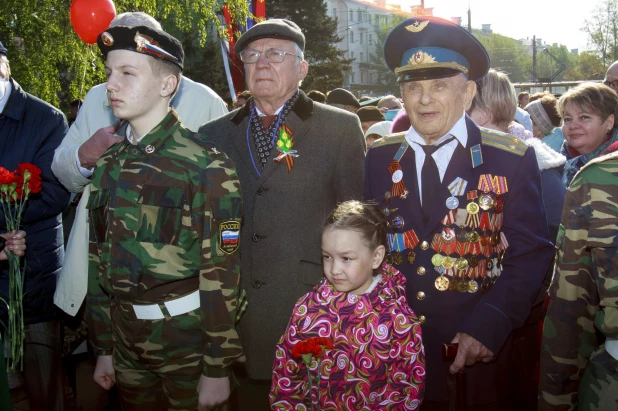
598	390
157	362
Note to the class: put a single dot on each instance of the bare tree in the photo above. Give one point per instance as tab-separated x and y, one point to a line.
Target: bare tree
602	30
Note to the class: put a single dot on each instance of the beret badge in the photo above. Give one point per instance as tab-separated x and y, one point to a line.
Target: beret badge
107	39
417	26
146	44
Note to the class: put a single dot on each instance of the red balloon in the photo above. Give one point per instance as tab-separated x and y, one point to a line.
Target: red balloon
90	17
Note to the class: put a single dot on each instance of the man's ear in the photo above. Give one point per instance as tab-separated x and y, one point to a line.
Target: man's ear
169	85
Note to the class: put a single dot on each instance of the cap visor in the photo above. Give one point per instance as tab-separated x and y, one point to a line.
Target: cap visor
427	74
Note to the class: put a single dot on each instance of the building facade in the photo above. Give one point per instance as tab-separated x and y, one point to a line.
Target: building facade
358	24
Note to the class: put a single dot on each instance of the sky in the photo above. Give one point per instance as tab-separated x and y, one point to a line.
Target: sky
554	21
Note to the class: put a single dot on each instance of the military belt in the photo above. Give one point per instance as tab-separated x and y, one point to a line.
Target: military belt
175	307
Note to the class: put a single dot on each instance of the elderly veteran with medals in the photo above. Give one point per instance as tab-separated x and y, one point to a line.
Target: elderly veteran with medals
467	223
164	216
296	159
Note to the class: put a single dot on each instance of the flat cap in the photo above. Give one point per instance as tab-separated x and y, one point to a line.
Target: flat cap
342	96
2	49
423	48
370	113
272	29
144	40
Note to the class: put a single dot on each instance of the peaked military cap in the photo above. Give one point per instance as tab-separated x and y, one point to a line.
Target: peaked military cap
342	96
144	40
423	48
272	29
2	49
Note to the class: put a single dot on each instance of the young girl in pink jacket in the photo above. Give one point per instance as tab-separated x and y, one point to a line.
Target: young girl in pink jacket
355	330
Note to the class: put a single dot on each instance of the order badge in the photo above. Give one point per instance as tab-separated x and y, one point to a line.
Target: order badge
229	236
397	176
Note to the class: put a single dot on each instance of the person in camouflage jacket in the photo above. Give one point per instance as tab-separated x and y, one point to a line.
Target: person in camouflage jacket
579	371
164	265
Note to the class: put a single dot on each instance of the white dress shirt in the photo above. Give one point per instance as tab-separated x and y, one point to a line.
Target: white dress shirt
443	155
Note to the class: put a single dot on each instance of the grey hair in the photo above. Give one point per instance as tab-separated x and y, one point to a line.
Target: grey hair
137	18
299	53
8	66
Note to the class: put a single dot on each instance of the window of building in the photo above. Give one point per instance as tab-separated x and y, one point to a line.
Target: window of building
361	57
360	15
351	36
351	15
370	39
334	13
351	54
352	77
362	77
361	35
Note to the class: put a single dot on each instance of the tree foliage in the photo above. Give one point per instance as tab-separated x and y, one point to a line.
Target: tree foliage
385	77
506	54
49	60
602	31
327	64
589	66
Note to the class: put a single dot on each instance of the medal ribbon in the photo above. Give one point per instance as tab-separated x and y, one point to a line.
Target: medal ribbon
472	220
410	239
457	187
475	248
461	248
449	218
500	186
503	243
390	240
484	223
436	243
284	146
462	215
472	194
398	244
485	183
399	187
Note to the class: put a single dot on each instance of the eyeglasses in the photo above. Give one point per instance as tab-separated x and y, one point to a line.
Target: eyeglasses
250	56
612	84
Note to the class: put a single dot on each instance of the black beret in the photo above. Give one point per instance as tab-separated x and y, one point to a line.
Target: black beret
426	47
144	40
342	96
370	113
2	49
272	29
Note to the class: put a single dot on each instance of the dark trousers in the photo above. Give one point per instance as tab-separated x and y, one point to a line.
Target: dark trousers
43	366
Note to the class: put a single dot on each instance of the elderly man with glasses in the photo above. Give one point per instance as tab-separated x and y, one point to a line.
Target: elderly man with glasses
295	160
611	77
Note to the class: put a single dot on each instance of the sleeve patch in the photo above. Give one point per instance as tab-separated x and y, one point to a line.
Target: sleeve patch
229	236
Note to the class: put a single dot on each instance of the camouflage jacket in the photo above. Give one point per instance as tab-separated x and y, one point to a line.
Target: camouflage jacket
161	214
584	290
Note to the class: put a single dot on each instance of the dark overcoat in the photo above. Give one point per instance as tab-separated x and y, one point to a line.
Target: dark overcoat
284	213
488	317
30	132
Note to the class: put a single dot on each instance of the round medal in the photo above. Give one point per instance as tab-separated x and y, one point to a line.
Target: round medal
424	245
473	261
495	238
436	260
441	283
486	201
485	240
452	285
461	264
452	203
411	257
388	196
397	176
473	236
448	262
397	223
473	286
462	286
398	259
489	264
462	235
472	208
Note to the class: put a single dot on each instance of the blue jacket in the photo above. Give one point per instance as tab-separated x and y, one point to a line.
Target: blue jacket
488	317
30	131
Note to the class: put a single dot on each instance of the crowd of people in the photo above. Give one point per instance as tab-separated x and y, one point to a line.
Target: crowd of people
318	250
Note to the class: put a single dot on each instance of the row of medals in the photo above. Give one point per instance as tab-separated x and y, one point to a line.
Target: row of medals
460	282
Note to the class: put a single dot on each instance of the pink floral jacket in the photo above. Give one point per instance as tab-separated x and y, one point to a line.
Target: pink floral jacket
378	360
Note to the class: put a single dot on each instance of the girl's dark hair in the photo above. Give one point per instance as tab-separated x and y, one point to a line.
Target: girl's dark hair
365	218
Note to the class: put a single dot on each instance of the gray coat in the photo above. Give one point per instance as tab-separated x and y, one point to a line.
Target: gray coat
284	213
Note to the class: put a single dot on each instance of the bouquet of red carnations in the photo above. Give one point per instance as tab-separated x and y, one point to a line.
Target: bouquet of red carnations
309	350
15	189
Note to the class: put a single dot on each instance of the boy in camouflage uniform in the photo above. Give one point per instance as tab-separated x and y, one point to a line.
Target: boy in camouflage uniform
164	230
577	370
